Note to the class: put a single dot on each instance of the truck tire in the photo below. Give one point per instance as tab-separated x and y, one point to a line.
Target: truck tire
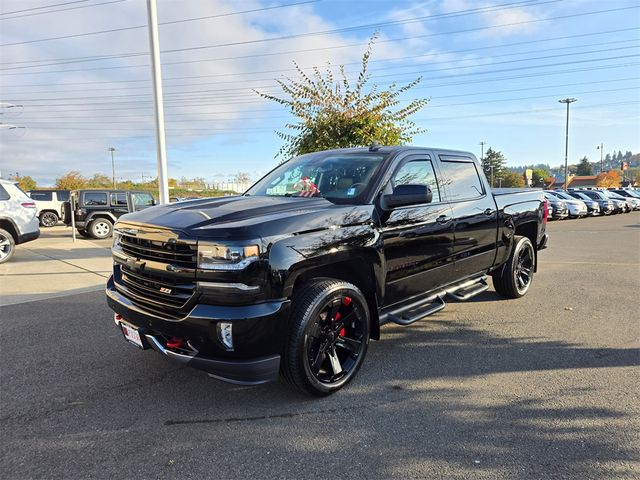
328	336
100	228
516	275
83	232
7	246
48	219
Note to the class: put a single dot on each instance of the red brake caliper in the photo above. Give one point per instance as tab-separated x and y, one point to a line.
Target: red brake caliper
346	301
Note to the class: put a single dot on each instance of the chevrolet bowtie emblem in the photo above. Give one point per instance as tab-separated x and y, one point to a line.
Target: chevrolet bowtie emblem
135	264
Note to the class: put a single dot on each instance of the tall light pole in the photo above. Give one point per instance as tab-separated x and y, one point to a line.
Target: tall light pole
601	148
156	74
113	167
566	142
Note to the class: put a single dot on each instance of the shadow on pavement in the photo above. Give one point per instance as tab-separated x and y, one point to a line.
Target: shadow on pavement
394	420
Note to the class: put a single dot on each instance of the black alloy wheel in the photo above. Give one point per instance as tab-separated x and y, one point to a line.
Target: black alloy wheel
524	267
514	278
329	337
335	340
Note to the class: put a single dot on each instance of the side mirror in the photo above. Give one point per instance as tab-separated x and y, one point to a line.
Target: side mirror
404	195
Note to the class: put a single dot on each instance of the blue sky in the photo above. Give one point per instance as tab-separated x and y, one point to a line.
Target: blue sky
493	72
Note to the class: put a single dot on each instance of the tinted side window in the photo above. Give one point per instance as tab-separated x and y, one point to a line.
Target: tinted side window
95	198
41	196
62	196
119	199
418	172
462	180
592	195
142	199
3	194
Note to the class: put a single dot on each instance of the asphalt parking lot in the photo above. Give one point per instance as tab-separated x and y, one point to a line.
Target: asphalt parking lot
541	387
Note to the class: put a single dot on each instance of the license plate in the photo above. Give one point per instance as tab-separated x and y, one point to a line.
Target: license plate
131	334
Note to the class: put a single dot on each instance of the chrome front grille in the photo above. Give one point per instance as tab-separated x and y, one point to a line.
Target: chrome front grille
180	254
143	272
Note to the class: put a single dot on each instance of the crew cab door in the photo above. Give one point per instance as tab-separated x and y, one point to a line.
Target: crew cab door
475	216
417	239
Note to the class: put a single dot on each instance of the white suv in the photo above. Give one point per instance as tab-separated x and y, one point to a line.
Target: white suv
18	220
49	205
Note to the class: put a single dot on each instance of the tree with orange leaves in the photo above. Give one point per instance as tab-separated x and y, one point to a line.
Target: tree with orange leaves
608	179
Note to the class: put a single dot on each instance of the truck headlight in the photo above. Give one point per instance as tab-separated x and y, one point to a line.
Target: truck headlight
226	257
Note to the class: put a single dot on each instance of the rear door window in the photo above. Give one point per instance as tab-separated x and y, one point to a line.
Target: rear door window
92	199
4	195
119	199
461	179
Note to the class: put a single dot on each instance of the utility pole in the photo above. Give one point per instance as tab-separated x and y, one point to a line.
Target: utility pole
601	148
566	142
113	167
156	74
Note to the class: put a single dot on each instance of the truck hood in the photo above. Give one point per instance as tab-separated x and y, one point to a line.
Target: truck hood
250	217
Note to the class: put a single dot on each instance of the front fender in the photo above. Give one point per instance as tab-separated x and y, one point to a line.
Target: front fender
354	246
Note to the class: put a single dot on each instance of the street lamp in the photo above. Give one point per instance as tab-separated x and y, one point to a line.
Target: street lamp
601	148
566	142
113	167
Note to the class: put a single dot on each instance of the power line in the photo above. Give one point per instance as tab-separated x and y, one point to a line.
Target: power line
67	60
445	105
564	48
43	6
128	115
128	88
374	25
235	130
63	9
395	75
182	104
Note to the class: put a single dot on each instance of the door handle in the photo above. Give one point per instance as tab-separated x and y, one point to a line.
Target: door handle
488	212
443	219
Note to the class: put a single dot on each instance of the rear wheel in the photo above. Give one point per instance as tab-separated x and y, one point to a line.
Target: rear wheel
7	246
101	228
328	338
48	219
514	278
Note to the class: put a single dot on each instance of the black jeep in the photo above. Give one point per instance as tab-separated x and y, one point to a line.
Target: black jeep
97	210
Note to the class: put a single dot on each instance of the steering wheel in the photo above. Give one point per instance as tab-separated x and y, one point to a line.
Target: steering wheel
354	185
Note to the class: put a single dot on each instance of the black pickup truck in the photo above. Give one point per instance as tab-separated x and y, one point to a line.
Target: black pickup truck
294	277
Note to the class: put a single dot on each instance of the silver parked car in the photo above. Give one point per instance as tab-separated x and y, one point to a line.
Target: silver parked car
18	220
577	208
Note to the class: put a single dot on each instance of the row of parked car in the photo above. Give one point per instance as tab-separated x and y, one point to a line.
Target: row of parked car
591	202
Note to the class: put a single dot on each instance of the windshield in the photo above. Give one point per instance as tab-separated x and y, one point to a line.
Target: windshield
338	177
579	196
563	196
614	195
594	195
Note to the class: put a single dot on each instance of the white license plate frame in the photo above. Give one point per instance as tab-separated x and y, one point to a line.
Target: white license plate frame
131	334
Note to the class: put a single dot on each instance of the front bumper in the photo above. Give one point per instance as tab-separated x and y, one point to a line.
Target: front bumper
258	331
28	237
